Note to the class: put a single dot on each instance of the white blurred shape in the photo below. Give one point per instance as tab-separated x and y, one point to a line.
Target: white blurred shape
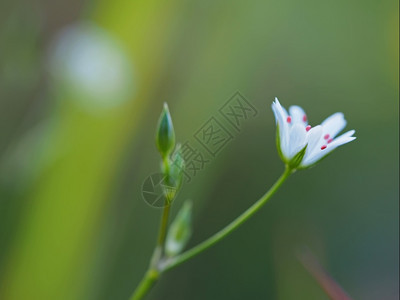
88	62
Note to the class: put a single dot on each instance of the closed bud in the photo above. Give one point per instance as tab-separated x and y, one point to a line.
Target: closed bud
165	137
179	231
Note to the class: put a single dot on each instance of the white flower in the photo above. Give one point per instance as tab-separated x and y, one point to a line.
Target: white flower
301	145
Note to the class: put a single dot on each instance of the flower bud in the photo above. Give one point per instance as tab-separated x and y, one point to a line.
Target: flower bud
179	231
165	137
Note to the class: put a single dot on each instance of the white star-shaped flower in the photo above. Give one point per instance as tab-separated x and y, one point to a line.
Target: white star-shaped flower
301	145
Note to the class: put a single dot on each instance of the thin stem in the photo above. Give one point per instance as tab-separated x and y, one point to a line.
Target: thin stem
159	264
163	225
173	262
164	219
153	272
145	284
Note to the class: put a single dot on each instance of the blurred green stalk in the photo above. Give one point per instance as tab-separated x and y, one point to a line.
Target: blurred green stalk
52	256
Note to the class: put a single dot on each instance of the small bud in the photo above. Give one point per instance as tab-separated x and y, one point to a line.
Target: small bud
165	137
179	231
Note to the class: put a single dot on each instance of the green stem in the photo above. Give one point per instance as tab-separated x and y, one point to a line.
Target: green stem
158	265
228	229
153	272
164	219
145	285
163	226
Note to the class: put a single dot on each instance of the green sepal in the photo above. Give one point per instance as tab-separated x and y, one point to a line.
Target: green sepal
177	168
296	160
179	231
165	136
173	171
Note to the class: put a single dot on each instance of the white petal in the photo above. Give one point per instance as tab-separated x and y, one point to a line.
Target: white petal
334	124
276	113
318	154
298	115
281	108
343	139
313	139
297	139
281	115
348	133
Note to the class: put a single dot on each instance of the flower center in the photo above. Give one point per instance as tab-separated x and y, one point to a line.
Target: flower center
308	128
323	147
289	119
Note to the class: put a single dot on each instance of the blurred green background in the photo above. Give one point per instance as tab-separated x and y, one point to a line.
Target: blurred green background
81	88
